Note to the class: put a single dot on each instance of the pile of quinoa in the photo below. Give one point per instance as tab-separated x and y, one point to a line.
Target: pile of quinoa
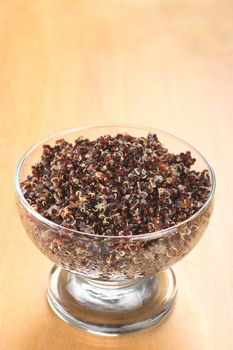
118	186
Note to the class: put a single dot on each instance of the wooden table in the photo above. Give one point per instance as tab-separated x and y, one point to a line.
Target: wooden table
167	64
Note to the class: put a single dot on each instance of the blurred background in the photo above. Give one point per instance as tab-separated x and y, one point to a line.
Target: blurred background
162	63
65	63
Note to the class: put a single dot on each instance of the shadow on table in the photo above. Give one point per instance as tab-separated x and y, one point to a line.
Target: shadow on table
48	332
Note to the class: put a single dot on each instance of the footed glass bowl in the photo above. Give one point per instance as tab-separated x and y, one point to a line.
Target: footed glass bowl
112	285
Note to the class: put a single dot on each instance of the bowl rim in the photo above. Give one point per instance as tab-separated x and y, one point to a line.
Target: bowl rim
142	236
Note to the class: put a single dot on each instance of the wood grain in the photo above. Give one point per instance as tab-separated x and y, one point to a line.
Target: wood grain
168	64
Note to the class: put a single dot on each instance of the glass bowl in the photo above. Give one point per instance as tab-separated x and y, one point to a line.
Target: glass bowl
112	285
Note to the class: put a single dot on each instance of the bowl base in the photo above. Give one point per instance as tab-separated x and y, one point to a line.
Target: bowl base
111	308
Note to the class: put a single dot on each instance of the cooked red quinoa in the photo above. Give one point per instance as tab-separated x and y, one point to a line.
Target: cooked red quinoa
121	185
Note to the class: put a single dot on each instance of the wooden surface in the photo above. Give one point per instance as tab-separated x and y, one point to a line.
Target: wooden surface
167	64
